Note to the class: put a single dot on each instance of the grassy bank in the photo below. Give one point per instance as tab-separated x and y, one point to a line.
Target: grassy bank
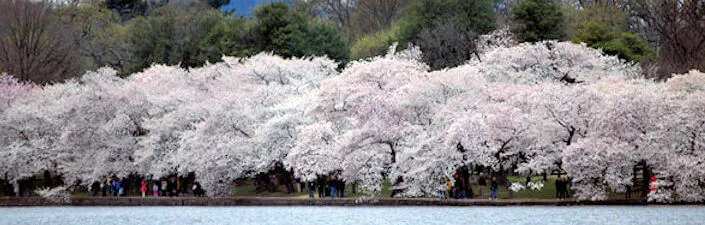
246	188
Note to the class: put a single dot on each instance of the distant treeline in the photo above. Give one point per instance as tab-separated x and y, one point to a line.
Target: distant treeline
49	41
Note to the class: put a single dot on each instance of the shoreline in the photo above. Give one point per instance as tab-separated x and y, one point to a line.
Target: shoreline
285	201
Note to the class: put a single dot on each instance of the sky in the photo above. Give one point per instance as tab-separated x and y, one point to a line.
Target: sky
244	7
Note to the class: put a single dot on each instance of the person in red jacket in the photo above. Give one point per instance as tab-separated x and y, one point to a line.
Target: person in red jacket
144	188
653	183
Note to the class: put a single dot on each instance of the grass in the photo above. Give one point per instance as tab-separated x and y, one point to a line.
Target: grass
246	189
547	192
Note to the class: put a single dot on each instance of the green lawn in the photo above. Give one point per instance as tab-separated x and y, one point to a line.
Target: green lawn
548	192
247	189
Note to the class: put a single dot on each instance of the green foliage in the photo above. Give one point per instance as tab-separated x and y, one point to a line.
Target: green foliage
127	9
170	36
89	22
639	49
280	30
475	15
611	16
290	33
595	33
373	44
276	29
112	49
323	37
462	21
217	3
605	27
538	20
230	37
627	46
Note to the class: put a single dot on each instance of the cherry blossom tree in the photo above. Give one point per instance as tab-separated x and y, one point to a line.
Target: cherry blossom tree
516	108
29	130
11	90
314	153
678	149
360	103
243	121
425	155
535	63
70	128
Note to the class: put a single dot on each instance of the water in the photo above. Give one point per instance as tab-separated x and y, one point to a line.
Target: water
355	215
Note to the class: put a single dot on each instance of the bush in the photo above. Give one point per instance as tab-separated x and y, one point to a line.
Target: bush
627	46
373	44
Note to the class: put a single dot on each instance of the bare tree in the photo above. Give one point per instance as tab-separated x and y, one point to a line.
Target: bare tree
680	25
377	15
339	10
97	35
446	45
34	45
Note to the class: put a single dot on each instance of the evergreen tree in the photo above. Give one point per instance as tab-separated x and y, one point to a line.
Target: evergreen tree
627	46
538	20
171	35
446	28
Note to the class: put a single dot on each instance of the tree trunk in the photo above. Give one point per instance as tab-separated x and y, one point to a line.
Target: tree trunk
646	175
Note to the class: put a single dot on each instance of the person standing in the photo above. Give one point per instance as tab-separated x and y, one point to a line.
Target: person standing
321	187
468	188
109	183
143	188
30	186
332	183
341	188
164	186
560	187
155	190
482	181
449	189
311	188
16	188
194	189
184	185
441	189
178	186
118	188
171	186
456	186
493	188
652	184
565	189
95	187
198	190
103	189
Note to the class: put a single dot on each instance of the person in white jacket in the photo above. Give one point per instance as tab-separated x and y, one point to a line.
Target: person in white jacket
16	188
441	189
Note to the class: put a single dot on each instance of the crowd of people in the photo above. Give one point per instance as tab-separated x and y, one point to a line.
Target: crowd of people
171	186
562	191
327	187
461	188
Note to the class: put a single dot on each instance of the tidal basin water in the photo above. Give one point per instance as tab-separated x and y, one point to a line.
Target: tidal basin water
355	215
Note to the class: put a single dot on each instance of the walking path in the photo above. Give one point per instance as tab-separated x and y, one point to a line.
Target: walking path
286	201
